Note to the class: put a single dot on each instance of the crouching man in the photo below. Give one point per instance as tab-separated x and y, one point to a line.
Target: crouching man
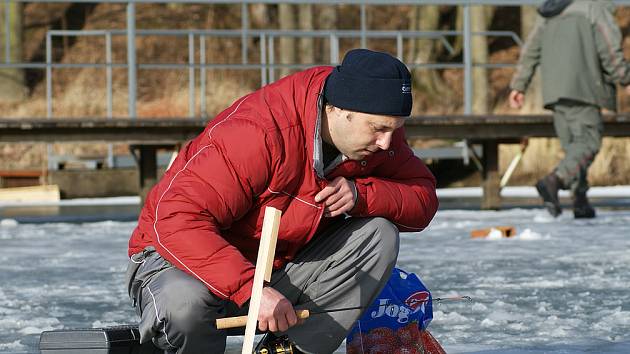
326	147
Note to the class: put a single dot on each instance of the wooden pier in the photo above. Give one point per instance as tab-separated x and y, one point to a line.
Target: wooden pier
146	136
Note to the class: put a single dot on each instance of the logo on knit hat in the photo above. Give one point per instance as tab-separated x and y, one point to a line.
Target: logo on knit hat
406	88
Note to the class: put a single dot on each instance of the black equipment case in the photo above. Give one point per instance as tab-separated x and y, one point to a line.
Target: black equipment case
110	340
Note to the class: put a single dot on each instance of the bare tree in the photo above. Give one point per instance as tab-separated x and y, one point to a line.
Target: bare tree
426	50
260	18
212	45
12	80
306	44
287	21
259	15
327	20
480	20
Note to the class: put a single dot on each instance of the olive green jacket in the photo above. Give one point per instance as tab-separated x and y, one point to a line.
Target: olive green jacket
580	56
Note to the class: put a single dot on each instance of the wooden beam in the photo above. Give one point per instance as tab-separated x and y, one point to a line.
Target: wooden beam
490	176
47	193
175	130
264	266
240	321
146	131
147	163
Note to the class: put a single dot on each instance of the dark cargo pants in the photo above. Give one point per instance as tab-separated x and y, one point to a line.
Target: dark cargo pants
579	127
344	266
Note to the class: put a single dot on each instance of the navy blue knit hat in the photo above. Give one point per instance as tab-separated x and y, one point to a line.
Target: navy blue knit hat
370	82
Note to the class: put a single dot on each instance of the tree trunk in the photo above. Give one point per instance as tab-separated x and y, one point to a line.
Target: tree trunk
306	44
426	50
480	18
286	18
12	82
259	16
459	26
534	100
212	45
327	20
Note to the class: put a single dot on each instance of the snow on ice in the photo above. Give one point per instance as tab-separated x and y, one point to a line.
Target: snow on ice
558	286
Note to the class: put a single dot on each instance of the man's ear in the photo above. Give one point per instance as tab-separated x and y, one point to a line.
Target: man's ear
329	108
336	111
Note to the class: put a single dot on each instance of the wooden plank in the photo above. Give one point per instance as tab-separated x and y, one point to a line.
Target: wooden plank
47	193
20	178
173	130
21	173
153	131
147	164
240	321
490	176
264	264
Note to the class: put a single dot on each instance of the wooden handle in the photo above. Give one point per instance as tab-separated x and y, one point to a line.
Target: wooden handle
240	321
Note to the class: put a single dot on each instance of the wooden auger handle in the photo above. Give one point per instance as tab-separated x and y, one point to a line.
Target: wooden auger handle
241	321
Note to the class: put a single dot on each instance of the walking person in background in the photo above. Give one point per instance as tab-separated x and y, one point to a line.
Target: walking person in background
325	146
578	46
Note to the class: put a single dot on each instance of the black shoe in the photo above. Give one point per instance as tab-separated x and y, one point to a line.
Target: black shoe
548	188
271	344
584	212
582	209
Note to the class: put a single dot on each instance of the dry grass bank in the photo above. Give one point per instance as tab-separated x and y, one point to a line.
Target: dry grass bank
611	166
164	93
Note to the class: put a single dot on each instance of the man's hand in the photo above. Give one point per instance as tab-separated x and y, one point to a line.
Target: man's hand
338	197
276	313
627	89
516	99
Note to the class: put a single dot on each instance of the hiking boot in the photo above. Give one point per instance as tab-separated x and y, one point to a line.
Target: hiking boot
271	344
548	188
582	209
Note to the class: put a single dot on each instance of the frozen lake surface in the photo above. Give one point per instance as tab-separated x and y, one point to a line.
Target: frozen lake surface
560	286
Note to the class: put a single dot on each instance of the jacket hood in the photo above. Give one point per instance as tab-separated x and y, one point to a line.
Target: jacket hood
610	6
551	8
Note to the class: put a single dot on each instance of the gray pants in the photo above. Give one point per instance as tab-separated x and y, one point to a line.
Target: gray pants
579	127
344	266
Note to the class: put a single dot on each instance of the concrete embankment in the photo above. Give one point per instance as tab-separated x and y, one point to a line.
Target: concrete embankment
96	183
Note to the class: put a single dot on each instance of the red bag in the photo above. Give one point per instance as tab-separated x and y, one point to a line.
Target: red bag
396	323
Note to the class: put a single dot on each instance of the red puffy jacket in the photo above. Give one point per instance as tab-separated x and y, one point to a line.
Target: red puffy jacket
205	215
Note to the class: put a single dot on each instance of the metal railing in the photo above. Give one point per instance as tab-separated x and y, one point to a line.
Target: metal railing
267	65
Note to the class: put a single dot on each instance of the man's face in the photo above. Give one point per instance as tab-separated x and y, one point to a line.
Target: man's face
359	135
